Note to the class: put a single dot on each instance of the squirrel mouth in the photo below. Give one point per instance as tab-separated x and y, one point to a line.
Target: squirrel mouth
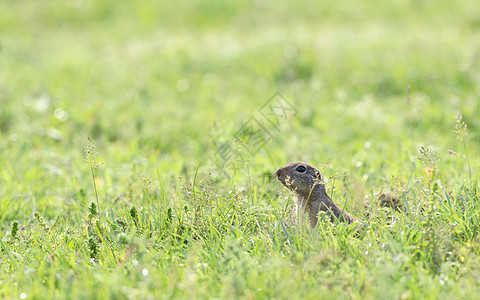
283	180
279	175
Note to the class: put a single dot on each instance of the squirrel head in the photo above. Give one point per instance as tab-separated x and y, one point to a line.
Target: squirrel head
300	177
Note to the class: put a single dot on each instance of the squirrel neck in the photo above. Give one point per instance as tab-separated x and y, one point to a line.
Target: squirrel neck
318	200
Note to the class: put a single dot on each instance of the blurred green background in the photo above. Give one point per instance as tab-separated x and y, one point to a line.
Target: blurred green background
159	85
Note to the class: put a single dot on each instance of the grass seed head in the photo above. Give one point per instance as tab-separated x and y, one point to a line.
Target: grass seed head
461	129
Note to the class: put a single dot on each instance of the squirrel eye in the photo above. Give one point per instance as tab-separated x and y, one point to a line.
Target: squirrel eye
301	169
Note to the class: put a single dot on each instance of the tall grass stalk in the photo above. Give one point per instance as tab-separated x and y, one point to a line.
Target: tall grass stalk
91	161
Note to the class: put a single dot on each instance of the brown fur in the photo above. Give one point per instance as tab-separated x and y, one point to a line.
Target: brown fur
310	192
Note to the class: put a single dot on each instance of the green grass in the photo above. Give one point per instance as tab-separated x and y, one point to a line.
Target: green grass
160	87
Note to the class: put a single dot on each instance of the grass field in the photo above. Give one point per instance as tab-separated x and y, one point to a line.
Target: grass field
386	98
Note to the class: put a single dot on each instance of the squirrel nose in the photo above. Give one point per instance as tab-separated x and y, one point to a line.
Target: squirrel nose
278	173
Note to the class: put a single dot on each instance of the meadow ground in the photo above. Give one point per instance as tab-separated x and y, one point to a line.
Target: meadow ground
379	93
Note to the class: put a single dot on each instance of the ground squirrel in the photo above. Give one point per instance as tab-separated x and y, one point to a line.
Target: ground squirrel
307	183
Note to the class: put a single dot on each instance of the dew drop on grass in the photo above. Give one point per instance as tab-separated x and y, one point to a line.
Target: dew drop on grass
54	133
60	114
183	85
42	103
